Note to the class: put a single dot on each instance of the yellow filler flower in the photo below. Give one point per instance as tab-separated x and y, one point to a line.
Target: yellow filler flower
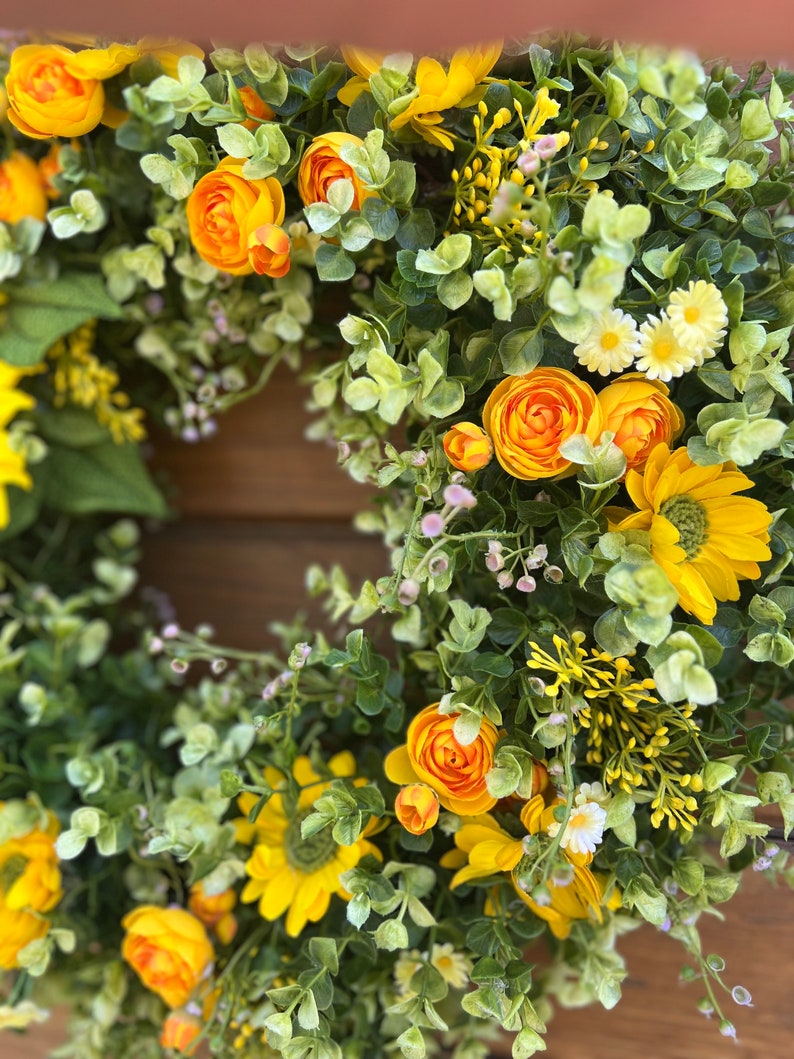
289	873
704	538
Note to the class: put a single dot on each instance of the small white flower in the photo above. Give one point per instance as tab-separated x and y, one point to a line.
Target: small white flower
585	828
453	966
593	792
661	355
698	316
611	345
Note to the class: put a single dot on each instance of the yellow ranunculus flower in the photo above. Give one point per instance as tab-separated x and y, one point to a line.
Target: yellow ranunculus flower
22	190
439	90
53	91
169	950
30	881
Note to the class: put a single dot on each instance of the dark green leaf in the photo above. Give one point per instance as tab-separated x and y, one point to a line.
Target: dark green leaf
37	315
102	478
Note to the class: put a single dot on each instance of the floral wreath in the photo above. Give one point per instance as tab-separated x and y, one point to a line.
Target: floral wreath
567	269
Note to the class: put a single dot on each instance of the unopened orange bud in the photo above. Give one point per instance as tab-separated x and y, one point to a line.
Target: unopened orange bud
180	1032
467	447
269	250
255	108
416	807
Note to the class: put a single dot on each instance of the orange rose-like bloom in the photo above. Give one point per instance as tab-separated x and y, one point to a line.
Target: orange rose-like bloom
255	108
467	447
169	950
180	1031
268	251
433	756
640	414
416	807
22	192
214	911
321	165
224	210
529	416
53	91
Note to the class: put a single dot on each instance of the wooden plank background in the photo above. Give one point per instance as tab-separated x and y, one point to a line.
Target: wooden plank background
259	504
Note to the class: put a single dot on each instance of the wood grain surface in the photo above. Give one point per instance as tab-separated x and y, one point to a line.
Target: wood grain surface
260	503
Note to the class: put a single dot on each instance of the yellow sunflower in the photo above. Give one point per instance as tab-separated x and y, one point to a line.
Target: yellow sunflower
705	539
288	873
484	849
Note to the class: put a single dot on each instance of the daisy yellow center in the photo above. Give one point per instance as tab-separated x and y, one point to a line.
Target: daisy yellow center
609	340
662	349
308	854
689	518
13	869
691	314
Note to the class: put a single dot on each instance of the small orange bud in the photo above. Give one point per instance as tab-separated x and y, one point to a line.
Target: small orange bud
269	250
467	447
180	1031
255	108
416	807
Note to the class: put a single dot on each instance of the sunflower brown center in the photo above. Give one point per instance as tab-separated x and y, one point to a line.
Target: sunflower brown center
689	518
308	854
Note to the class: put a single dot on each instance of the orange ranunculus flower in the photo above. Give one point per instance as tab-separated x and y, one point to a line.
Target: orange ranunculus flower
268	251
321	166
439	90
528	417
53	91
640	414
224	209
416	807
22	192
467	447
180	1031
169	950
30	882
214	911
432	755
255	108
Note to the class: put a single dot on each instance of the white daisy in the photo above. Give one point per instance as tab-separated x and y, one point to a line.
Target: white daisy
661	355
453	966
611	344
585	828
698	316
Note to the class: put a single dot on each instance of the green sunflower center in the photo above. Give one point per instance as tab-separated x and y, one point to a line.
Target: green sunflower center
308	854
689	518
